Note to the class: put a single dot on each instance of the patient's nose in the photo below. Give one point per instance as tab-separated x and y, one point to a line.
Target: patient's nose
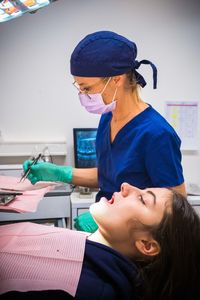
126	188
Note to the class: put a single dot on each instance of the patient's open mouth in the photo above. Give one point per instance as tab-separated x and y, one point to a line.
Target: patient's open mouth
111	201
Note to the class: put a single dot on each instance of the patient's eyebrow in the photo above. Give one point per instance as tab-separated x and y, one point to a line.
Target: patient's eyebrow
154	196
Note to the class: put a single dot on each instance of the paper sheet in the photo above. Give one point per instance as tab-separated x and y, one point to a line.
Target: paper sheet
32	194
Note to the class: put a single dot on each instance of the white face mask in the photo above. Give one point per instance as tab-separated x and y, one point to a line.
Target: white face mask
94	103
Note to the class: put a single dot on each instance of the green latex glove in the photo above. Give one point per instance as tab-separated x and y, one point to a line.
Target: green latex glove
85	222
44	171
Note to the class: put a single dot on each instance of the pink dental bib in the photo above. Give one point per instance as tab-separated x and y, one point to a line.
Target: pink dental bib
38	257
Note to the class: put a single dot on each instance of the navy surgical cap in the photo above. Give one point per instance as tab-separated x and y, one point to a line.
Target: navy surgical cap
107	54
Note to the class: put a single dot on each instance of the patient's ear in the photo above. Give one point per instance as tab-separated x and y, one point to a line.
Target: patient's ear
148	247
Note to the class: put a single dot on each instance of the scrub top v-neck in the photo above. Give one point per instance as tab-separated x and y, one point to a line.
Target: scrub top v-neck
145	153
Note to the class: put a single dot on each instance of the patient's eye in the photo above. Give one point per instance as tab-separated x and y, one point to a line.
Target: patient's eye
141	199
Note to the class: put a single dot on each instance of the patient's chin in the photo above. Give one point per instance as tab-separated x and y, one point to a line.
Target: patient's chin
98	209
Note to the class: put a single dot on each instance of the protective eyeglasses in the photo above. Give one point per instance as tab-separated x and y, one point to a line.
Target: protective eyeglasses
86	90
77	86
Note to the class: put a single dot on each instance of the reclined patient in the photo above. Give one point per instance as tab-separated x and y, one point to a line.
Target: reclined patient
147	246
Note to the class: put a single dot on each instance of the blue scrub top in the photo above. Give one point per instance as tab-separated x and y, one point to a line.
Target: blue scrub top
145	153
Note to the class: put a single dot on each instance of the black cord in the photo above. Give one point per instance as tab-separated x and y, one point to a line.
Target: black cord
72	187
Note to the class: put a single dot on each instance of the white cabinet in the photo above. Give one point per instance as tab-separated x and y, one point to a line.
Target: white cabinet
53	210
80	203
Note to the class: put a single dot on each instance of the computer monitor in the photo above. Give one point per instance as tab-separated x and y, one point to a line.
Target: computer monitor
85	147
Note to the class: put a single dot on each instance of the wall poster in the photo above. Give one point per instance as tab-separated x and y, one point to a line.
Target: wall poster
183	116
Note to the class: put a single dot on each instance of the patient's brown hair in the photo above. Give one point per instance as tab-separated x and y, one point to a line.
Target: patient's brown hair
175	272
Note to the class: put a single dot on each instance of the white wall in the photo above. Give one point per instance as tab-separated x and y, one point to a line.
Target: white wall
38	101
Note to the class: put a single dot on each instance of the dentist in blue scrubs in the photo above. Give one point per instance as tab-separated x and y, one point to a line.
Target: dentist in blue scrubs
134	143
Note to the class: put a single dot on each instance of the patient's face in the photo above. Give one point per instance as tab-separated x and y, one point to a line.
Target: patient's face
116	216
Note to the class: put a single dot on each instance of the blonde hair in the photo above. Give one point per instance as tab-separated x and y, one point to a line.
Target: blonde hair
132	83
